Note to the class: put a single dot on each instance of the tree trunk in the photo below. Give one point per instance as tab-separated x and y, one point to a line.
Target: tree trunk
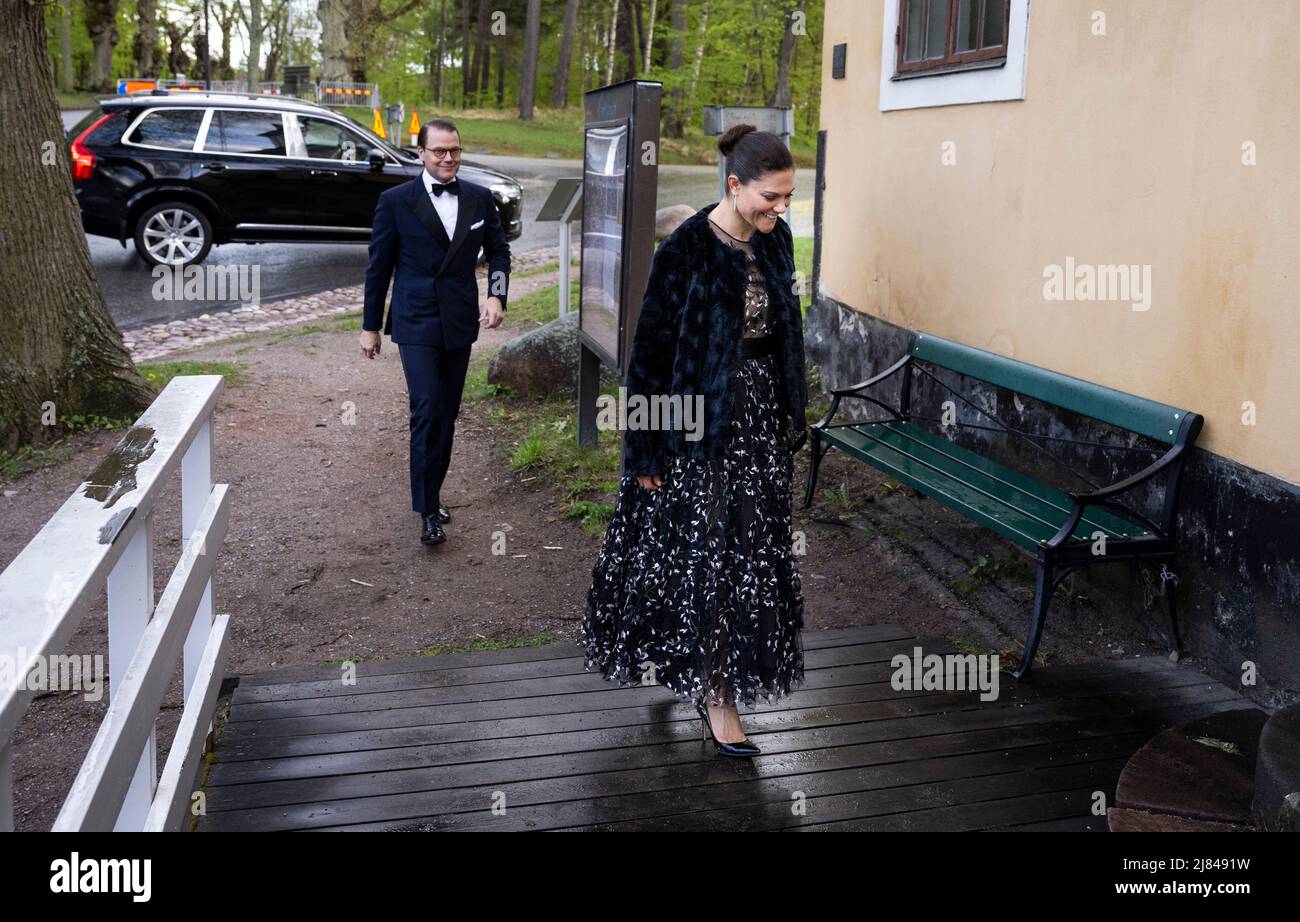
334	65
649	36
613	34
629	41
442	55
781	94
147	57
528	80
699	50
560	91
464	52
255	27
65	48
59	346
676	121
101	24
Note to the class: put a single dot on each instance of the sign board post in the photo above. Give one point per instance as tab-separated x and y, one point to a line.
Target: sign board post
564	204
778	120
620	182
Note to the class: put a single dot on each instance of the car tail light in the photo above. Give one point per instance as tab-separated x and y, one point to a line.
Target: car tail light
83	161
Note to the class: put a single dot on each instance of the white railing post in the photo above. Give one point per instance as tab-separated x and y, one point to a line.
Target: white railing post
130	606
196	487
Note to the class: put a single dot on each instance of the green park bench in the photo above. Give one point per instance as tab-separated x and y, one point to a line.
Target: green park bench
1061	529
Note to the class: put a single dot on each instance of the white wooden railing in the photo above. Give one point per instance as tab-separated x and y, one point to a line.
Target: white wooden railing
103	535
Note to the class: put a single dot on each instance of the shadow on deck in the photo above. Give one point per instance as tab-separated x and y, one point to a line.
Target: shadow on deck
435	743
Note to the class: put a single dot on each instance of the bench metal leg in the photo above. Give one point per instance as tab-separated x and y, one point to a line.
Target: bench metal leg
818	452
1173	619
1043	590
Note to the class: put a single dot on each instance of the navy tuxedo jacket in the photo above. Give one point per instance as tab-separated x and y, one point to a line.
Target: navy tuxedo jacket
435	292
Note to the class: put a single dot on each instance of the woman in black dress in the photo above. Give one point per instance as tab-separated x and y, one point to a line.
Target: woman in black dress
696	574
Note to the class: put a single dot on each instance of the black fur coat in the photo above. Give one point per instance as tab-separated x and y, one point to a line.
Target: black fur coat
687	339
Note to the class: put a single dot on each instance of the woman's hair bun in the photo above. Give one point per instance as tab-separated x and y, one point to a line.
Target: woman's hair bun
731	137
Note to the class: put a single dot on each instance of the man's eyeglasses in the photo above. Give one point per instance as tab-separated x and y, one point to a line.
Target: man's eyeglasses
440	152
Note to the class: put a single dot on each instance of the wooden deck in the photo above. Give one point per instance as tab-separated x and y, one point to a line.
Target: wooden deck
434	743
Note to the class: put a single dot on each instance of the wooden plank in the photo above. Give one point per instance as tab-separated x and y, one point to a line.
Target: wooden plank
487	692
550	805
961	805
873	633
693	766
457	743
451	767
1129	411
814	657
1044	502
868	683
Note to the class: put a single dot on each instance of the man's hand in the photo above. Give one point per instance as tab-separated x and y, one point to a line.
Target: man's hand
650	481
369	344
492	313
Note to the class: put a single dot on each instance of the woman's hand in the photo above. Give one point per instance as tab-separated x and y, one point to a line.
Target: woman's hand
650	481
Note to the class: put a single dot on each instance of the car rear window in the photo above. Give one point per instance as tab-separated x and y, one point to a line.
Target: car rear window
238	132
171	128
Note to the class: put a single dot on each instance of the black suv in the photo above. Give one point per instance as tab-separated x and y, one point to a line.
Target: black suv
179	171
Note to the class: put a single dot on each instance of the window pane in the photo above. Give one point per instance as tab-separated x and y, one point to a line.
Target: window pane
176	128
250	132
915	30
968	13
330	141
936	29
995	12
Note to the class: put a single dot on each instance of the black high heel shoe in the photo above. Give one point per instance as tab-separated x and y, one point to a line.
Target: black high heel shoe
744	748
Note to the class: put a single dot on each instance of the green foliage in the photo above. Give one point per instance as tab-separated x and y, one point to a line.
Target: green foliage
159	373
594	515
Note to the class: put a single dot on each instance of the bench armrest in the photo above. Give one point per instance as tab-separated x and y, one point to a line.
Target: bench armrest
851	391
839	393
1128	483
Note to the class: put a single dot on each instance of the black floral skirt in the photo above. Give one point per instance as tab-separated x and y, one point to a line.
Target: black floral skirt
695	587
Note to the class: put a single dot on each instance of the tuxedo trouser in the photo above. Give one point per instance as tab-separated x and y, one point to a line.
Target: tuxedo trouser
435	379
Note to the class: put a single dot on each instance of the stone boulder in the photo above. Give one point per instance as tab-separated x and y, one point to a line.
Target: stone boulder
544	361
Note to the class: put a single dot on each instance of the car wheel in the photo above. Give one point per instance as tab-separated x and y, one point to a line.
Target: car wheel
173	234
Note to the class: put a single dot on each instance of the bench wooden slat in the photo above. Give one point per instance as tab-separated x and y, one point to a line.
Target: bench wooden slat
1037	498
1138	414
1006	520
1016	507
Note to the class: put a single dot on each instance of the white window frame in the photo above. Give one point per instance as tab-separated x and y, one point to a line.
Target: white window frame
954	88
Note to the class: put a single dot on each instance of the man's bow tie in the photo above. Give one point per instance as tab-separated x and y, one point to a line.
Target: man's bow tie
452	187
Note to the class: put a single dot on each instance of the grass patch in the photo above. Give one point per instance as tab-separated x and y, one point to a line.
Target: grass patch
159	373
541	306
594	515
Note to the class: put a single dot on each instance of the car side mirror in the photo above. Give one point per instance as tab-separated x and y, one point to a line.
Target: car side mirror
377	160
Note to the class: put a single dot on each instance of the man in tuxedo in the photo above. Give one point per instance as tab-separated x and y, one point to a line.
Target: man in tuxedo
430	230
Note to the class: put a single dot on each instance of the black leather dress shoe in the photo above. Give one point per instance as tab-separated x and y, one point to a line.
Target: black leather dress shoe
443	515
431	532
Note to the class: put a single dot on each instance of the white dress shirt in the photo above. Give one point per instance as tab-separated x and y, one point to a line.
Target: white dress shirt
446	205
